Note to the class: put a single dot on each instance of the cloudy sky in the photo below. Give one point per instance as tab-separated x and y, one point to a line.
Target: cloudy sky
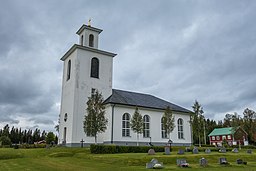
178	50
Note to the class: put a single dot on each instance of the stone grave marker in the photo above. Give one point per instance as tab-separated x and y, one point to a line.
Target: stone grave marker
180	151
167	150
151	151
235	150
240	161
182	163
249	151
188	149
223	150
207	151
223	161
203	162
154	164
195	150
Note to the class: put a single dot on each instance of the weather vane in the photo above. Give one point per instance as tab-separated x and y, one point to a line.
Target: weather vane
89	22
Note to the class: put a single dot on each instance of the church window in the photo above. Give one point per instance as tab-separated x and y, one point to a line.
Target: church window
91	40
164	133
146	126
64	135
180	129
65	117
68	70
126	125
95	67
82	40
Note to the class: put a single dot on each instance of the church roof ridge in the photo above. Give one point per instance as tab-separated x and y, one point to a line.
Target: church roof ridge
129	98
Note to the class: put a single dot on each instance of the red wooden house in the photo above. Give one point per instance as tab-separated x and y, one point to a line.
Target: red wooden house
233	136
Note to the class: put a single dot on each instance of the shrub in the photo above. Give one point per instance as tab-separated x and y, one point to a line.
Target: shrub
111	149
5	140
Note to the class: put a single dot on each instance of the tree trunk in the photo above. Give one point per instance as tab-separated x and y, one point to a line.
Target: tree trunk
95	139
137	139
199	140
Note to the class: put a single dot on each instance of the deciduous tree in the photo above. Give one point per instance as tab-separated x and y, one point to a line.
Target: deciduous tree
95	121
137	123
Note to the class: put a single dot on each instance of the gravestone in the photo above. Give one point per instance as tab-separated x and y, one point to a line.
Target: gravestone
249	151
208	151
223	150
180	151
195	150
240	161
182	163
235	150
223	161
154	164
151	151
188	149
167	150
203	162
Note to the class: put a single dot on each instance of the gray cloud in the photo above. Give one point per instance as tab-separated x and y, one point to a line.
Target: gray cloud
177	50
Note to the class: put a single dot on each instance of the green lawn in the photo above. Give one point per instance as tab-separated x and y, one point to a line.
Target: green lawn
81	159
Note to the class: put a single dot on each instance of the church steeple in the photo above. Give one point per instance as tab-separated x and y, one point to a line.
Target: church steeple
88	36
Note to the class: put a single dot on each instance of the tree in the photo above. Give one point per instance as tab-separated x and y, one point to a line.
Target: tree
4	140
168	121
137	123
198	123
250	124
50	138
95	121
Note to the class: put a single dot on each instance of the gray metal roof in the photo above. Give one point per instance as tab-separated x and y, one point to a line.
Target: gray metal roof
141	100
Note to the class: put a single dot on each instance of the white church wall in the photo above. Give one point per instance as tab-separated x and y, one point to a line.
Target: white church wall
155	127
67	100
83	86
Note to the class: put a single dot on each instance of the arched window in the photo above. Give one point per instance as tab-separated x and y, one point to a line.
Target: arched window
126	125
146	126
180	129
91	40
164	133
82	40
65	117
68	70
95	67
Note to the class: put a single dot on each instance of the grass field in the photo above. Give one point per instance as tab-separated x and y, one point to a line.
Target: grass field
80	159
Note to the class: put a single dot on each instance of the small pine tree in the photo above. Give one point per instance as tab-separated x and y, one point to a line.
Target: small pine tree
168	121
137	123
95	121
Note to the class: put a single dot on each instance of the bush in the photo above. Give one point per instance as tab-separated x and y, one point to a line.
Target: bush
5	140
111	149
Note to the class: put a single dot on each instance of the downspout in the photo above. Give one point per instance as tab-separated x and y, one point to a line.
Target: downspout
112	124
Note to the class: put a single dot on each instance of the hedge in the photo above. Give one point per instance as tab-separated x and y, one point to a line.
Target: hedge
111	149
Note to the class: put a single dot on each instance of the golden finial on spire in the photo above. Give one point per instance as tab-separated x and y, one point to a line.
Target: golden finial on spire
89	22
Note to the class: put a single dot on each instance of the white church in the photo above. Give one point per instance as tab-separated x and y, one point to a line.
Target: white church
86	69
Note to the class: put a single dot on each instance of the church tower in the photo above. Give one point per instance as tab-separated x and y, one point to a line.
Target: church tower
86	69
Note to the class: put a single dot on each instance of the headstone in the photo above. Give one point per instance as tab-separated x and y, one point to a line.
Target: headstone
195	150
151	151
223	161
182	163
154	164
239	161
249	151
235	150
203	162
167	150
188	149
180	151
208	151
223	150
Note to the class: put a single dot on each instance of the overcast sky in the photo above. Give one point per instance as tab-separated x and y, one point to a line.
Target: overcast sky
177	50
